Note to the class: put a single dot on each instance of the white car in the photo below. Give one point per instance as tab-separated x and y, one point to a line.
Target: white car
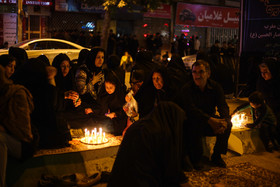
49	47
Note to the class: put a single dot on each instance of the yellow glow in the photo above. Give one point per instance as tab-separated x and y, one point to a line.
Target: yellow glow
239	120
94	137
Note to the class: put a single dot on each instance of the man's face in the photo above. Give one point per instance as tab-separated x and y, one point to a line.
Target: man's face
200	76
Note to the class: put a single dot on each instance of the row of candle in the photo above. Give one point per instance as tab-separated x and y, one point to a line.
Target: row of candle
94	137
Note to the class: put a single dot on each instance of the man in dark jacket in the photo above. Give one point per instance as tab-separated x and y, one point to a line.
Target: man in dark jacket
199	99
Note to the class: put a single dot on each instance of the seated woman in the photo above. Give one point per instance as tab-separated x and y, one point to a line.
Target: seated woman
64	78
151	150
156	89
16	137
9	63
49	105
108	112
89	76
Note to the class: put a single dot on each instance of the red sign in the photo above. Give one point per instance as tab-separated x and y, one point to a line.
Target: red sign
37	2
207	16
163	11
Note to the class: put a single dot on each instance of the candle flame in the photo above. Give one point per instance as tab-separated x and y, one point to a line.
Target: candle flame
94	137
239	120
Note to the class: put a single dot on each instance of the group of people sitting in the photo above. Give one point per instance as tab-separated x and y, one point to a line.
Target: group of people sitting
163	116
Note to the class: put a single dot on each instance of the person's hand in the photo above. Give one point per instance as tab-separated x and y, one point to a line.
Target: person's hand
96	78
218	125
88	111
74	96
77	102
127	98
249	125
111	115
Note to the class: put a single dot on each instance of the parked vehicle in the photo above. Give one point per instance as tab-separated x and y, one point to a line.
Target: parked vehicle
49	47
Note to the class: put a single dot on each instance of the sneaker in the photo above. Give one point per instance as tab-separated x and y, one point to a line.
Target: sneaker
218	161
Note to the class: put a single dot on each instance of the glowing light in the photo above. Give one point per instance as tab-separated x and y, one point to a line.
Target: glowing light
145	25
94	137
239	120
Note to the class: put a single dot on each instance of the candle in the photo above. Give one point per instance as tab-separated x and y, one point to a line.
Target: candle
94	137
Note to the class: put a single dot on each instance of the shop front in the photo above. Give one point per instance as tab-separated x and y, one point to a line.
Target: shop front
209	23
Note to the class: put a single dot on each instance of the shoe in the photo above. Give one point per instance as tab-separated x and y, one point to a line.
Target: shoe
218	161
269	149
84	181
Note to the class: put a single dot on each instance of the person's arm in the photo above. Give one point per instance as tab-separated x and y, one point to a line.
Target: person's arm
80	79
241	107
20	107
261	112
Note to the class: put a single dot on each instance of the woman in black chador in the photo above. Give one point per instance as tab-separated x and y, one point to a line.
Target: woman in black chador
89	77
151	150
64	78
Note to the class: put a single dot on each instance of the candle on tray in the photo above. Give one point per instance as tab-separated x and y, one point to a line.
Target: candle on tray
94	137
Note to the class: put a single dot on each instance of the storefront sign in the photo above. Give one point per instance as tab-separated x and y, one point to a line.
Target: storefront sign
260	30
163	11
207	16
10	28
38	2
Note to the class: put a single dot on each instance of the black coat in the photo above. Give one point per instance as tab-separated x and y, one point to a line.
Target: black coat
150	153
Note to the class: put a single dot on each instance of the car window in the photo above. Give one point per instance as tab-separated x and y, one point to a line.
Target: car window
38	45
60	45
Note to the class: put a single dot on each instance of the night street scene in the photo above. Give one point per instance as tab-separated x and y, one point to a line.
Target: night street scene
137	93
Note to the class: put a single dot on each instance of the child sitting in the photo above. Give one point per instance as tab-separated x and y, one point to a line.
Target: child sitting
264	119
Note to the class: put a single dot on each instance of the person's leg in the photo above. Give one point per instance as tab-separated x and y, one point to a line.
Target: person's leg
8	146
221	144
264	136
194	143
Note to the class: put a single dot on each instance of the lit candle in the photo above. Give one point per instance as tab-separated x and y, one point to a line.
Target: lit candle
100	131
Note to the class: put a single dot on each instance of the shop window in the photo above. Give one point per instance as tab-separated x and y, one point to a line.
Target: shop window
33	27
38	45
35	23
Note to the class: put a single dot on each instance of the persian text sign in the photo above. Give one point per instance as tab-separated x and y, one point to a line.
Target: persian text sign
207	16
163	11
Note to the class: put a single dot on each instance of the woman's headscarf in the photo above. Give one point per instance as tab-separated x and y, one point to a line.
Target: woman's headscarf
90	59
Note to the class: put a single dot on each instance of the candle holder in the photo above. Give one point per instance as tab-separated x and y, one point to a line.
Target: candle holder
94	138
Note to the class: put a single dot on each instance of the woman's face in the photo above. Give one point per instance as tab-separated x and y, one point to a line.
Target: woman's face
10	69
99	59
265	72
110	88
65	67
157	80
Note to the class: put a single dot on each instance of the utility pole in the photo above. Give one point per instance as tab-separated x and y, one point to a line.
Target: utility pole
20	14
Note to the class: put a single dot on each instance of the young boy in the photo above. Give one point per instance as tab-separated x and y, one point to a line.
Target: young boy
264	119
